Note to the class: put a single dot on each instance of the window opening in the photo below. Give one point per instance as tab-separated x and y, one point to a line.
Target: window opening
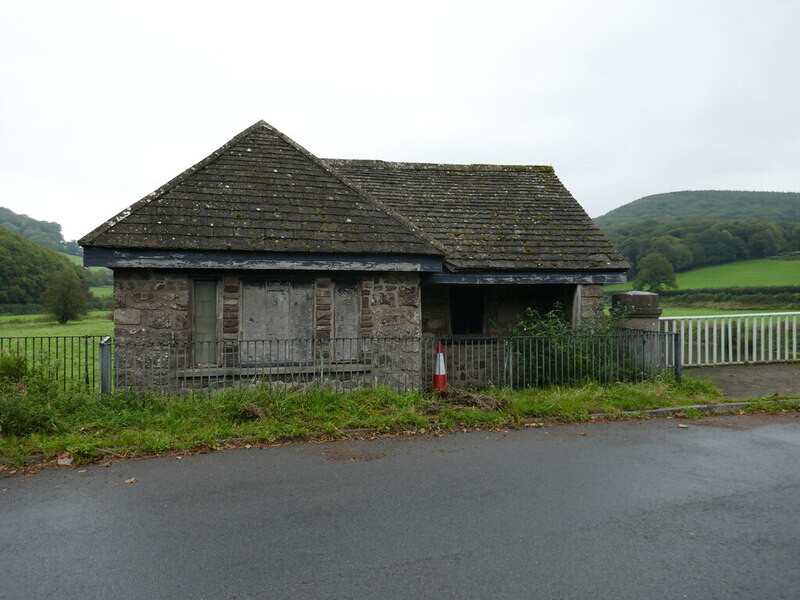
466	310
205	321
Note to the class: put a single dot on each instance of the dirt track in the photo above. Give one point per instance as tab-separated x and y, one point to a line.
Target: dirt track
753	381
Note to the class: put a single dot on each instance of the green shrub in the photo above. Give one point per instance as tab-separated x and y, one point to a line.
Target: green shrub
13	369
562	354
31	401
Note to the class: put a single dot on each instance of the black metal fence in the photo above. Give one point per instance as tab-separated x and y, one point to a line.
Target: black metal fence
541	361
398	363
72	360
100	363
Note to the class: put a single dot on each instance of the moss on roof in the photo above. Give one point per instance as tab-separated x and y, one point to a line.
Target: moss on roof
498	217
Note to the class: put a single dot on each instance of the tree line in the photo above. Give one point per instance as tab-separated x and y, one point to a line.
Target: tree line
719	205
43	233
699	243
32	277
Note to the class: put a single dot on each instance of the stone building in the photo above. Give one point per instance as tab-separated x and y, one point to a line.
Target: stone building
263	240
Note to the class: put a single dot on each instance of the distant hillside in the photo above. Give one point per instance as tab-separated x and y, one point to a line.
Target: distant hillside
26	268
773	207
44	233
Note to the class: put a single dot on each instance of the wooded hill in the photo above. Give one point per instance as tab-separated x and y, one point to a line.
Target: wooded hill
44	233
772	207
697	229
26	269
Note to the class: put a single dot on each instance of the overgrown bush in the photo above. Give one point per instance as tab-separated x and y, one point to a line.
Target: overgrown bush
31	401
561	353
13	369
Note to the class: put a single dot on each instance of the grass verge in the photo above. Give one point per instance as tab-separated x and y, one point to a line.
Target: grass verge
40	421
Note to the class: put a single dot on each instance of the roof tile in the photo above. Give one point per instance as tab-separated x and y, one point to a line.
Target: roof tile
264	183
489	216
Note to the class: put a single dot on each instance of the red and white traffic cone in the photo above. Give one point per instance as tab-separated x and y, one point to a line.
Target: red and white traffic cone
439	370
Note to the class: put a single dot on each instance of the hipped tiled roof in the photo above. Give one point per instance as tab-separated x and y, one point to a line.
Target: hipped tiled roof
260	192
489	217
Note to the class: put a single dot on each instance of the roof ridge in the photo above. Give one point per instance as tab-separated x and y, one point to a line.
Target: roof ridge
174	181
362	193
437	166
403	220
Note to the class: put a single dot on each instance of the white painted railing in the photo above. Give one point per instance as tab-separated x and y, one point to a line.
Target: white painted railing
737	339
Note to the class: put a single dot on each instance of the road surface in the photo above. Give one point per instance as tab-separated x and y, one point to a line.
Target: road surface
642	509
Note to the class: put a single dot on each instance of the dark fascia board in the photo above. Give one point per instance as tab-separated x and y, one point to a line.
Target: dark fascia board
583	277
119	258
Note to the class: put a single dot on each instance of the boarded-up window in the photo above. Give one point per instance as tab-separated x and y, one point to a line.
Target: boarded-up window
277	320
204	323
345	320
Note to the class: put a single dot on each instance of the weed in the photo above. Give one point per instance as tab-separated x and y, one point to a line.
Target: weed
13	369
764	405
691	413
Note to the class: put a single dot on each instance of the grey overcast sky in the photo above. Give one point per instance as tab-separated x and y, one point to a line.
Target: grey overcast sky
103	102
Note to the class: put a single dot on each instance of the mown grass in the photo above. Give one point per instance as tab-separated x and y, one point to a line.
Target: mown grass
102	291
93	323
38	419
748	273
681	311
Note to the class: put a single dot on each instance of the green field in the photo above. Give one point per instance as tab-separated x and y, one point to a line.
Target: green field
97	291
679	311
101	291
78	260
94	323
748	273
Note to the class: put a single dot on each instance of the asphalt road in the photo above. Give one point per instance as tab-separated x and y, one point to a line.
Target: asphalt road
643	510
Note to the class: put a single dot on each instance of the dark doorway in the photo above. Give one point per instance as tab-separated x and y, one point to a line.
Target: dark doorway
466	310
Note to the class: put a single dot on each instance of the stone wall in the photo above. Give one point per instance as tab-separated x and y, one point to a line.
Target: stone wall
154	305
588	303
151	306
392	306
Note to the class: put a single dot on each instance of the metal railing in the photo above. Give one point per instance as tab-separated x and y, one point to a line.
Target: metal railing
737	339
346	363
399	363
72	360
